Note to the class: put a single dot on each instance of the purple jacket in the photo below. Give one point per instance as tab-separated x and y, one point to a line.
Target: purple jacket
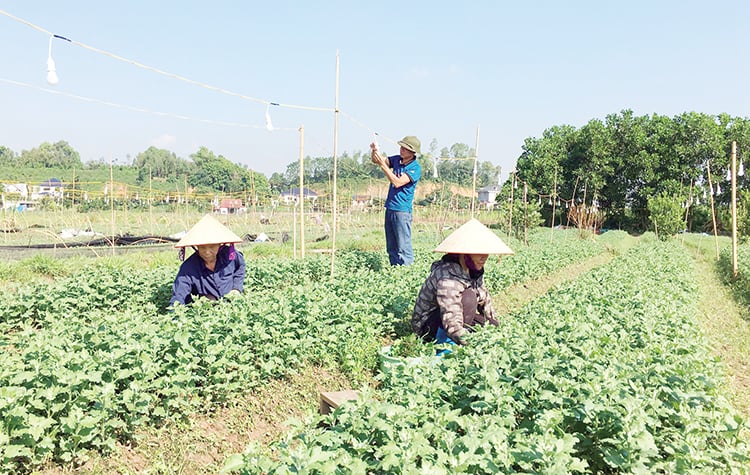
194	278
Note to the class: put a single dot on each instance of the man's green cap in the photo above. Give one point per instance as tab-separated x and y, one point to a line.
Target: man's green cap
410	142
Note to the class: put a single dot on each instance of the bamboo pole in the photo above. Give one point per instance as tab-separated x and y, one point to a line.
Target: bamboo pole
301	187
572	201
112	203
187	209
510	203
335	166
474	179
72	191
150	204
713	210
525	213
687	210
554	203
734	209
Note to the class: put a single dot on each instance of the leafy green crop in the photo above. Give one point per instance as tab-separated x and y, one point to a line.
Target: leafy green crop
90	357
608	374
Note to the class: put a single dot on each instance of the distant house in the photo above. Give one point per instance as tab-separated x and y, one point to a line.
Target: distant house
15	195
487	195
292	195
229	206
18	189
52	188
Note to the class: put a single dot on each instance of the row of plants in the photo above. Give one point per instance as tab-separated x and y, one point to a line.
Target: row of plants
88	358
607	374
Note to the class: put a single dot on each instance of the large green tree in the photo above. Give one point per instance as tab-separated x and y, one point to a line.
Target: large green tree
47	155
216	173
7	157
162	164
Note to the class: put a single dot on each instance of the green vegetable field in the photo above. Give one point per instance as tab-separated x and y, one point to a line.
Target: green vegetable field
607	372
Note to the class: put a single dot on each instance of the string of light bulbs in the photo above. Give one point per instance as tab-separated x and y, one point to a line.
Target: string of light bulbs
53	79
151	68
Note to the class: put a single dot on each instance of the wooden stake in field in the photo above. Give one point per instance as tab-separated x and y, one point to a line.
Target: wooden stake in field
150	203
734	209
554	203
112	203
513	184
713	210
474	178
335	165
301	192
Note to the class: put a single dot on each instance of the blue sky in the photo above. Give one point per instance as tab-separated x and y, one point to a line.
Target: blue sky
437	70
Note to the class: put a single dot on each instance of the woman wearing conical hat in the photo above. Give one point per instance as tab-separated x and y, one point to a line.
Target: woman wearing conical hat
215	269
453	299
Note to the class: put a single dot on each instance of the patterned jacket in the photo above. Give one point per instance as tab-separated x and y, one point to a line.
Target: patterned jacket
440	296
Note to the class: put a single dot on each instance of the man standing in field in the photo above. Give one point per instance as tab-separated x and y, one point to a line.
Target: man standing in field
403	172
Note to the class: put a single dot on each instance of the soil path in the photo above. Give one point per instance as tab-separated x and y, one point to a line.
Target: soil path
515	296
726	325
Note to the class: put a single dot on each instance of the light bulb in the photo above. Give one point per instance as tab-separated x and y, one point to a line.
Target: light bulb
52	78
269	124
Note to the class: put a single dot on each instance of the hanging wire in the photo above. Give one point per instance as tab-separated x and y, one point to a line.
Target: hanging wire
135	109
163	73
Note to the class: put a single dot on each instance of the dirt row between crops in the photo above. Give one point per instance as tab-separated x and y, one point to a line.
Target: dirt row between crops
726	325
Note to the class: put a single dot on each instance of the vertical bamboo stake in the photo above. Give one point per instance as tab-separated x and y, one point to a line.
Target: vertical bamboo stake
554	205
187	209
474	179
301	187
713	210
252	192
572	202
72	190
150	203
112	203
510	203
687	210
525	213
294	231
335	165
734	209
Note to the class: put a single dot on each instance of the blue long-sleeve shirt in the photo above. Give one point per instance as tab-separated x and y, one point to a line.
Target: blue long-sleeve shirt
194	278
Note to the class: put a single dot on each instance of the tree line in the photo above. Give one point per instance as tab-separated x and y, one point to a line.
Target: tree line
618	165
206	171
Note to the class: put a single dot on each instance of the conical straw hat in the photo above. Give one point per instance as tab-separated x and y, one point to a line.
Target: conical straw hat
208	231
473	238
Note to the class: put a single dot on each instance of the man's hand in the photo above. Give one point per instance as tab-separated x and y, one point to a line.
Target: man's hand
377	158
